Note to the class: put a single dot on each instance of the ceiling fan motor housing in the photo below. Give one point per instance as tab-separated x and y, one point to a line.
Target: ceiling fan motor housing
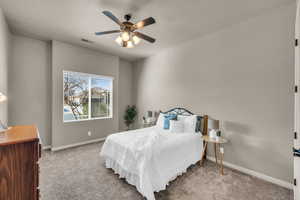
127	17
127	26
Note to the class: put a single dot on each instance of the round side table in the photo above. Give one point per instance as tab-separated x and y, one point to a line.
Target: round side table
218	141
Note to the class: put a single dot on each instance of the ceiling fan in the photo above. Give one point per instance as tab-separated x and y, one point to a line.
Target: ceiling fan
129	37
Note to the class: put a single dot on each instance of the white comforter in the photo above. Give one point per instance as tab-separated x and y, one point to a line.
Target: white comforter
150	158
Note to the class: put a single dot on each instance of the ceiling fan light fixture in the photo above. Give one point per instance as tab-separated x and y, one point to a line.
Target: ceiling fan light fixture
136	40
119	41
125	36
129	44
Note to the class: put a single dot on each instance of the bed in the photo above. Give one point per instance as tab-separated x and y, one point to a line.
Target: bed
150	158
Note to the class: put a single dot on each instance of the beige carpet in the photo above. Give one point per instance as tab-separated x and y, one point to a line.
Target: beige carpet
79	174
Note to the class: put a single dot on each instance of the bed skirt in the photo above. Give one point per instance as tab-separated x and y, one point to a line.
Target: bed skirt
133	179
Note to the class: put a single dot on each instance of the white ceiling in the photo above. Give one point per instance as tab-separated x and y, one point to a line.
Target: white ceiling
177	20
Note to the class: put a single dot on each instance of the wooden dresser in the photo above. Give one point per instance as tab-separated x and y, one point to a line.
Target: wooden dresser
19	169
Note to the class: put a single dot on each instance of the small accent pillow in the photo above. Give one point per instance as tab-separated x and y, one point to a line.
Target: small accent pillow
176	126
160	121
167	120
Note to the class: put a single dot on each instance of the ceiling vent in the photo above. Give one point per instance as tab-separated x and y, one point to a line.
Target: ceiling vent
86	41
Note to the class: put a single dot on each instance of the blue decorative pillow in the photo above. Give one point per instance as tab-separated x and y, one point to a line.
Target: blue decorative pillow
167	120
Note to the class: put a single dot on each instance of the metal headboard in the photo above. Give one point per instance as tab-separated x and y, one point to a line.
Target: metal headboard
179	111
202	121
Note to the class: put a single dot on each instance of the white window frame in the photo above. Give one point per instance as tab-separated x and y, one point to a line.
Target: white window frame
89	86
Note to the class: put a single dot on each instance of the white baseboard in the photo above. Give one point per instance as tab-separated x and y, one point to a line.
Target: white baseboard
47	147
77	144
256	174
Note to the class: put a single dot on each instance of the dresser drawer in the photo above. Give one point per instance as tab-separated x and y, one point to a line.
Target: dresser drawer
19	155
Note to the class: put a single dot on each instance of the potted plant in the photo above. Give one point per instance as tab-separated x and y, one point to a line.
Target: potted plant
130	115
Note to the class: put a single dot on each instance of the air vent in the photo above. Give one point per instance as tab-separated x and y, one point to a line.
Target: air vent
86	40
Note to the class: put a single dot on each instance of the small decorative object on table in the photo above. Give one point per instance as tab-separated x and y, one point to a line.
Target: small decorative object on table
212	133
130	115
218	135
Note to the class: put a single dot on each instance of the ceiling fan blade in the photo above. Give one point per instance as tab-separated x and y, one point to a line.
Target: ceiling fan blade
145	22
145	37
107	32
112	17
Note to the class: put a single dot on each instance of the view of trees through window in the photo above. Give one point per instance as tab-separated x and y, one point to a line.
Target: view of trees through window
86	96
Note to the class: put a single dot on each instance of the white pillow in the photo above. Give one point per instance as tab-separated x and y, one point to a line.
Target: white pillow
181	117
176	126
189	123
160	121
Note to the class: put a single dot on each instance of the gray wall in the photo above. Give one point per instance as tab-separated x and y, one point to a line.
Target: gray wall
5	41
242	75
30	86
125	90
73	58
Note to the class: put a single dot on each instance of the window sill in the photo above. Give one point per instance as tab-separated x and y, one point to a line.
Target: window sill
84	120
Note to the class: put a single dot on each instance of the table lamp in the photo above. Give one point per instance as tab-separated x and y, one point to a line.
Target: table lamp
149	117
2	99
214	128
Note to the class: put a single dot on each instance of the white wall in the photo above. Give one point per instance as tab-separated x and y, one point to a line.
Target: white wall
125	90
4	63
242	75
30	85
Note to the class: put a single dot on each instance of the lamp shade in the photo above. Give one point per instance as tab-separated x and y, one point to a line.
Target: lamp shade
2	97
213	124
149	114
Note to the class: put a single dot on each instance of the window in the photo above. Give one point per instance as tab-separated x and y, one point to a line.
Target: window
87	96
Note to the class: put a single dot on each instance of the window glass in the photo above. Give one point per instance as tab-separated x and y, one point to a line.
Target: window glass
100	97
86	96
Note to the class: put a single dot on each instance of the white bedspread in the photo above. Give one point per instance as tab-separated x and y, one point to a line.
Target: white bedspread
150	158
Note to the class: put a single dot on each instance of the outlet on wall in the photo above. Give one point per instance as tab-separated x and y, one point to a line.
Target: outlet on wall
89	133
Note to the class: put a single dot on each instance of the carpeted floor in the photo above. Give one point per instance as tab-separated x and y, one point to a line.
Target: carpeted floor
79	174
